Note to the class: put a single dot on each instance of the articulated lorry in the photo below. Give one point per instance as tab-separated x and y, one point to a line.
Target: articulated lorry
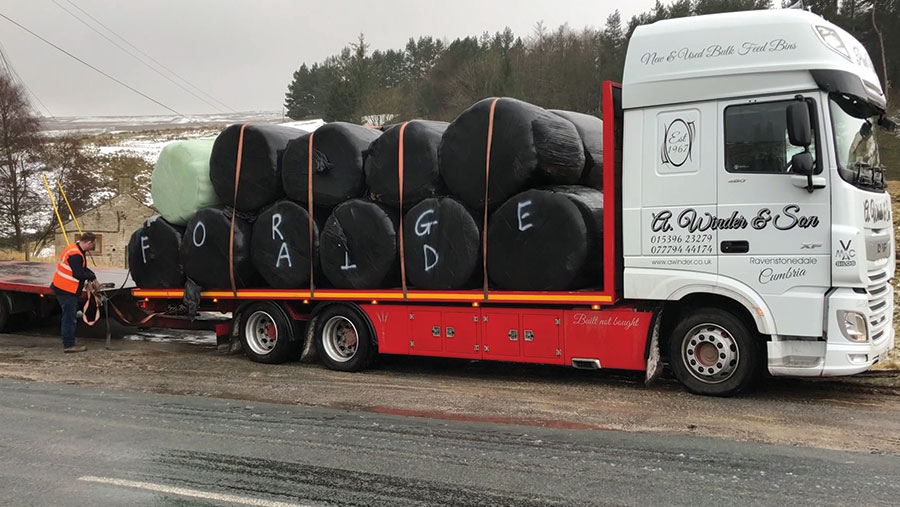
747	228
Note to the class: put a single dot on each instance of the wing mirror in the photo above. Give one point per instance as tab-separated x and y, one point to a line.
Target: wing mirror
798	126
802	164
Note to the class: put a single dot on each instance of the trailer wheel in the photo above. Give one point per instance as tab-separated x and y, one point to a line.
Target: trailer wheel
343	339
4	313
713	353
267	334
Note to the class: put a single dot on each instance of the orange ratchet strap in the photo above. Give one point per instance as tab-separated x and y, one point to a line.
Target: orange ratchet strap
237	178
400	183
309	189
487	179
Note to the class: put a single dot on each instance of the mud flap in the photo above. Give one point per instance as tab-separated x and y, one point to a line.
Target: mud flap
230	342
654	364
308	355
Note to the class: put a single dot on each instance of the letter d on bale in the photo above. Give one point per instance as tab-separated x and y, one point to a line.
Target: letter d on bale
430	253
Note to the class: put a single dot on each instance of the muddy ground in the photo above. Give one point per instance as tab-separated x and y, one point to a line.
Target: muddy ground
857	413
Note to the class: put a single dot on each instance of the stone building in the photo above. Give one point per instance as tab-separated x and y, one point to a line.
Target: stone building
113	222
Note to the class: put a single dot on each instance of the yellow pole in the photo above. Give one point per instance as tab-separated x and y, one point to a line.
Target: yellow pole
71	213
55	209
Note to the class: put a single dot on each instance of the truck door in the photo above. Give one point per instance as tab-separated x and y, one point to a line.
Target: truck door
774	234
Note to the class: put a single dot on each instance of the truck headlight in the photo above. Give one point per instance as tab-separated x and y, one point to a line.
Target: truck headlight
853	326
831	39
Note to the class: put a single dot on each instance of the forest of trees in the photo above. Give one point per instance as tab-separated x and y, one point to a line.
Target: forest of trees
555	68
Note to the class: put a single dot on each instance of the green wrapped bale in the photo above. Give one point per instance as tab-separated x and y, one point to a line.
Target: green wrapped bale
180	183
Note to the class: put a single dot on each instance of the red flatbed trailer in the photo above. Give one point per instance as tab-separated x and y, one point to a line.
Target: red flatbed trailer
587	329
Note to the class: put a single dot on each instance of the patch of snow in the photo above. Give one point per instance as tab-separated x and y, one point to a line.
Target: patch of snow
307	125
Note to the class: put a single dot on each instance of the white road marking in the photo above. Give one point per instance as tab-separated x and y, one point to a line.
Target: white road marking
192	493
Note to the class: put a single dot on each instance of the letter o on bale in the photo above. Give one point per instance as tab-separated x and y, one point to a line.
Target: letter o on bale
547	239
204	251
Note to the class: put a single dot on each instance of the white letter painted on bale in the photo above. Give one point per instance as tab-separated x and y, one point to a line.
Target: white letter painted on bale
276	221
283	254
144	247
347	264
426	249
522	216
424	228
203	237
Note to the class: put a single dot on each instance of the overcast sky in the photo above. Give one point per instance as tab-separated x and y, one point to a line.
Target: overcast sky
242	52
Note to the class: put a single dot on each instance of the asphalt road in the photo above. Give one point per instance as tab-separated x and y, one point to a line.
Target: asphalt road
76	445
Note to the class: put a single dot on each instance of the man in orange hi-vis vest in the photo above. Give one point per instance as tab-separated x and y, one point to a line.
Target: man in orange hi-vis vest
71	273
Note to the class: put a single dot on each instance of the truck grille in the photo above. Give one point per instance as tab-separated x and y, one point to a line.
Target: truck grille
880	317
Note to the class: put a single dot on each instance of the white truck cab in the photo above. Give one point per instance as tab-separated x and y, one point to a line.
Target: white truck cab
751	171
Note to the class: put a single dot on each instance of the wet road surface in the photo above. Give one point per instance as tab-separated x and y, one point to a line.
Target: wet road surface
76	445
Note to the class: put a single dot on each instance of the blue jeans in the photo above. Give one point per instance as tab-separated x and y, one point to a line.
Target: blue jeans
69	304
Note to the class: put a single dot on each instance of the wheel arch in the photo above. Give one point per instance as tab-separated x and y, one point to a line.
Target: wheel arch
744	303
321	307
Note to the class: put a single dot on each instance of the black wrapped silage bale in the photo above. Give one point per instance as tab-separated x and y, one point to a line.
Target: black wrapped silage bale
421	171
442	245
530	146
204	250
280	245
358	246
590	129
337	164
261	154
547	239
153	255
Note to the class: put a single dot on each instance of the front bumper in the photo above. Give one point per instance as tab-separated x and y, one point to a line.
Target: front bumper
835	355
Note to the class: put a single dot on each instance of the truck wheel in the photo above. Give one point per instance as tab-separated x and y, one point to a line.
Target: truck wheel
713	353
343	340
4	313
267	334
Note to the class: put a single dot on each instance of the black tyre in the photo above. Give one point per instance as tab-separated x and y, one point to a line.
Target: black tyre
267	334
343	339
713	353
4	313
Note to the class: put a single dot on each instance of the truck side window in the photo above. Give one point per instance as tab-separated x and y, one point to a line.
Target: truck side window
756	138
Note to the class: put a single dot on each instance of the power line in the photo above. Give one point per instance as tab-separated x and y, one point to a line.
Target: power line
154	60
70	55
129	53
11	71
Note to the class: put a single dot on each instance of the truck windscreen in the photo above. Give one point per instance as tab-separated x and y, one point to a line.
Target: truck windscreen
859	162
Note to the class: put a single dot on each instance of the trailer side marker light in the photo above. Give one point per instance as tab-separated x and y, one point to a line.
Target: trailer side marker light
306	301
595	307
215	300
374	302
475	304
146	300
42	295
